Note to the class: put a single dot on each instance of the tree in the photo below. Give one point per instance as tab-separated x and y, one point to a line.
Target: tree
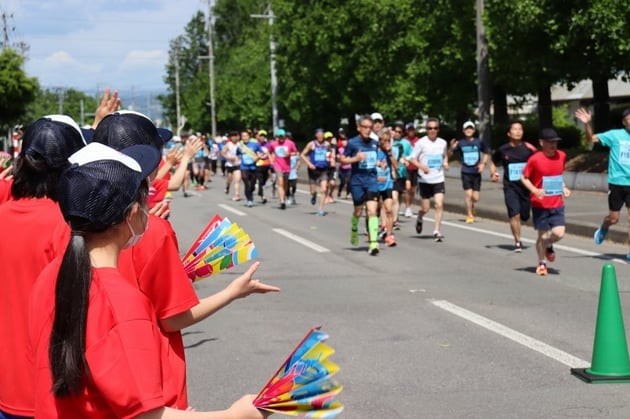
597	42
17	90
64	101
524	58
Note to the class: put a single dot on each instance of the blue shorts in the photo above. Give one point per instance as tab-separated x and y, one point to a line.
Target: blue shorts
548	218
517	201
363	190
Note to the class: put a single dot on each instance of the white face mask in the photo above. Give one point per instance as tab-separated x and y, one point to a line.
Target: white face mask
135	238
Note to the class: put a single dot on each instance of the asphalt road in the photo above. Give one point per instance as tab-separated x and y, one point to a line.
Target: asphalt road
459	329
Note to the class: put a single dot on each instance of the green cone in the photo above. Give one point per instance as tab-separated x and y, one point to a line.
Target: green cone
610	361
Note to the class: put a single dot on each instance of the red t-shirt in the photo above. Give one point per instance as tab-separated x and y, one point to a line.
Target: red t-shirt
35	233
546	172
5	190
157	192
155	264
123	348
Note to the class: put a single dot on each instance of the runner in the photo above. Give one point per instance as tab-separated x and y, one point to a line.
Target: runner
401	149
412	171
429	155
263	165
281	150
315	155
385	167
249	152
293	178
542	176
343	170
232	165
474	156
513	155
618	140
331	173
361	153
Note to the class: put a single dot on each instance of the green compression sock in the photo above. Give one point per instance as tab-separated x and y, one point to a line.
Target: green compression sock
373	228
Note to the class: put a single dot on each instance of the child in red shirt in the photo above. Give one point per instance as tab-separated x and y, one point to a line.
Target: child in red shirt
94	336
37	233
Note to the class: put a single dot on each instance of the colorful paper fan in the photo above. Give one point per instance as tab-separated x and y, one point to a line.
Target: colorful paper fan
303	385
220	245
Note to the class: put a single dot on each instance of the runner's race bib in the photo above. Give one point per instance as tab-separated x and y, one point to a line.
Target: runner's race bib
515	171
434	161
369	162
471	156
552	185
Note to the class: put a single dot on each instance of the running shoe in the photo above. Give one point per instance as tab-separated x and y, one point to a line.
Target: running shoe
628	256
470	220
600	235
396	225
236	198
408	212
390	240
550	254
313	199
541	269
283	205
226	190
373	250
250	204
321	213
418	225
518	247
438	237
354	237
382	233
264	200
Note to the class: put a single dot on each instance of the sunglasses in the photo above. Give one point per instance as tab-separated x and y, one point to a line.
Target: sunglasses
433	128
366	126
398	131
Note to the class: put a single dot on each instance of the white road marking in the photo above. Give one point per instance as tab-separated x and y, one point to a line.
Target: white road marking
301	240
232	210
532	241
527	341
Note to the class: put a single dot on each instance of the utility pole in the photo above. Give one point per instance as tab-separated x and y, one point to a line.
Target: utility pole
272	61
483	92
210	58
177	107
5	30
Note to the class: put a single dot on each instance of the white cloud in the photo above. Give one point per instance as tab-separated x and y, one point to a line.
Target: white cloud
140	59
84	44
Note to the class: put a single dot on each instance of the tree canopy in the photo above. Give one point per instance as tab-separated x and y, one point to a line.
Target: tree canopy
17	90
403	58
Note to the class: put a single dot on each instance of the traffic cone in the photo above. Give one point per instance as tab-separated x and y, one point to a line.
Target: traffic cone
610	363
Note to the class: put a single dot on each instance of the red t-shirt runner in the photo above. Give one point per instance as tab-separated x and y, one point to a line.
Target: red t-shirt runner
546	173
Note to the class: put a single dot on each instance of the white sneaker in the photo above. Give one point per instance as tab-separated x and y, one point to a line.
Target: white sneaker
408	212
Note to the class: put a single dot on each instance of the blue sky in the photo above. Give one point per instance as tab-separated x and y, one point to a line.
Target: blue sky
91	44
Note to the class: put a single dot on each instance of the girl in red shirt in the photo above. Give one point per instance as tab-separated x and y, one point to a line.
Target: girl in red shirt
95	339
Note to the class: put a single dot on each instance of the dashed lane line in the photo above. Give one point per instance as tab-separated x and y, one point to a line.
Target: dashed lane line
518	337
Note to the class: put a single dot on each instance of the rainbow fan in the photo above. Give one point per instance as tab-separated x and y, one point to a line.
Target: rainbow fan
221	245
303	385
